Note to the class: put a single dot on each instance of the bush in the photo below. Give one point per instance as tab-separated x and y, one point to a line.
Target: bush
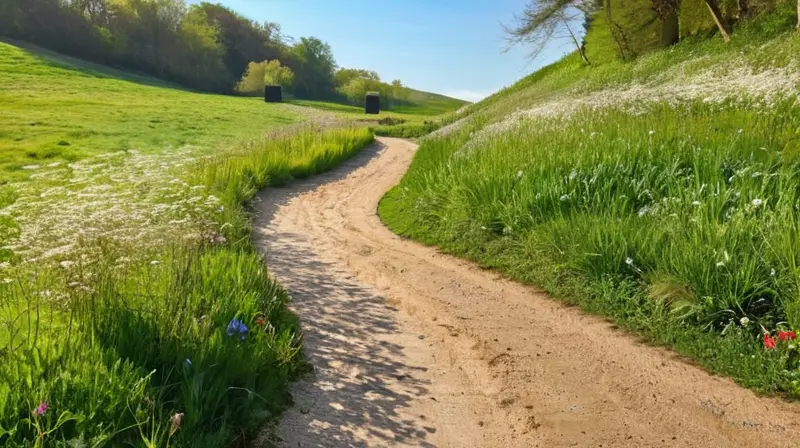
261	74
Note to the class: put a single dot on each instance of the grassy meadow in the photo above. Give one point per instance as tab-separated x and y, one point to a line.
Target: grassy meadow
661	193
59	110
134	310
413	121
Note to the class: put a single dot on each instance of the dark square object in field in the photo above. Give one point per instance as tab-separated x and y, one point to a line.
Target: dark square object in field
373	104
273	94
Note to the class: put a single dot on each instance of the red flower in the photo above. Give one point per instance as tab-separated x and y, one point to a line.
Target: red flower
769	342
783	335
260	321
792	335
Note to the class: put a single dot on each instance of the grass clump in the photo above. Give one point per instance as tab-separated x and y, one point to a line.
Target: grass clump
182	345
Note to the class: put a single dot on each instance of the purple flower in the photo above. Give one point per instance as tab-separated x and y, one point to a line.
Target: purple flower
41	409
236	326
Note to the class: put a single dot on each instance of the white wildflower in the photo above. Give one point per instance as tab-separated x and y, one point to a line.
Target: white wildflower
519	174
744	321
155	262
629	261
564	198
772	272
757	202
652	132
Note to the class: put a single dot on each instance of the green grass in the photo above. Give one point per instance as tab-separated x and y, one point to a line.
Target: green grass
677	220
58	109
428	113
128	267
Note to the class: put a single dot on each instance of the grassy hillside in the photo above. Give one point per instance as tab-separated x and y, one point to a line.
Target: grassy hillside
426	103
134	310
59	109
661	193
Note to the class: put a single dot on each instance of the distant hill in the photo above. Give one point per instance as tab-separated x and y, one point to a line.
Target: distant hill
426	103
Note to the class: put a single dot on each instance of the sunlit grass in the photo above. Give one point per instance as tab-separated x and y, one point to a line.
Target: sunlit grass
675	218
125	256
119	339
56	111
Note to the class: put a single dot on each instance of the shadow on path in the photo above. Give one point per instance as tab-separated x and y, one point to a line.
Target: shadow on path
360	383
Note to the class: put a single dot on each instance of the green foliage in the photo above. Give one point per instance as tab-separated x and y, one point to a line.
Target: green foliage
314	65
677	220
343	76
263	73
410	130
203	46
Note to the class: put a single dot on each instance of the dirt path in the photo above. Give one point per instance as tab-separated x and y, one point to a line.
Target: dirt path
415	348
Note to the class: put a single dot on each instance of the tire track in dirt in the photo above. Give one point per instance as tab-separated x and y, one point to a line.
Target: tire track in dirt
412	347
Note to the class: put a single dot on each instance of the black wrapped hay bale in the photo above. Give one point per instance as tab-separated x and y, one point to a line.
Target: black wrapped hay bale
273	94
373	104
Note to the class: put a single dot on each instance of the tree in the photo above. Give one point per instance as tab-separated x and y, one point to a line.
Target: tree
667	11
542	21
719	19
344	75
260	74
399	91
313	65
244	40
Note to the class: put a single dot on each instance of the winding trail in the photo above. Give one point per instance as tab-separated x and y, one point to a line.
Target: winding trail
412	347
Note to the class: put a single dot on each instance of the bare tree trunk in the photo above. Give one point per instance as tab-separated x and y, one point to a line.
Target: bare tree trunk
713	8
670	29
744	9
575	41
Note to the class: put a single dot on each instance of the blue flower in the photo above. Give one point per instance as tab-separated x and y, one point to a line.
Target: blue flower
236	326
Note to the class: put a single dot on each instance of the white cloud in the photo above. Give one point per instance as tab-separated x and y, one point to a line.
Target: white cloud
467	95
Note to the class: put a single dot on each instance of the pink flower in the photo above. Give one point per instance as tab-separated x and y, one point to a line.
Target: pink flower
41	409
176	423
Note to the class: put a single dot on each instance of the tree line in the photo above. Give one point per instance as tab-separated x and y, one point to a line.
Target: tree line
351	85
205	46
637	26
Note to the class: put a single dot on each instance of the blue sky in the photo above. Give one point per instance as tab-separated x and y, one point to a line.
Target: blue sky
453	47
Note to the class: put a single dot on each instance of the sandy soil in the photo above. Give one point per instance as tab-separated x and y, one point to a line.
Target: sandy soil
412	347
